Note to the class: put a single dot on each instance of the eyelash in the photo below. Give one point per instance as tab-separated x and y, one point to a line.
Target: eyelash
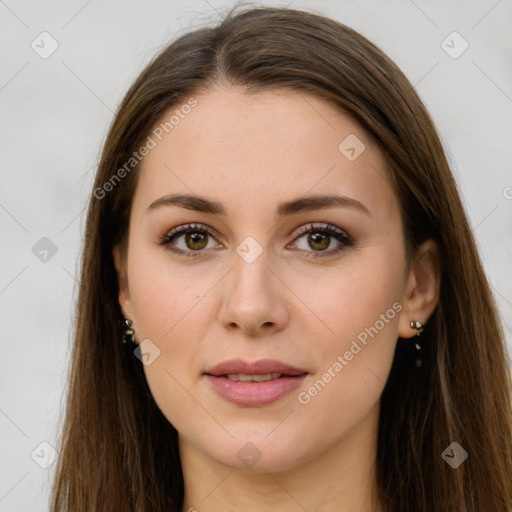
327	229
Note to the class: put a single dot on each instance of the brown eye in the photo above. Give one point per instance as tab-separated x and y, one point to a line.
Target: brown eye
189	240
196	241
319	241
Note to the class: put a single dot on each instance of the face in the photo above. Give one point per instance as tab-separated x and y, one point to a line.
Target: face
266	273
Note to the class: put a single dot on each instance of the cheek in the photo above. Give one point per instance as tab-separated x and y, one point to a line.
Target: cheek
346	302
357	335
164	296
171	311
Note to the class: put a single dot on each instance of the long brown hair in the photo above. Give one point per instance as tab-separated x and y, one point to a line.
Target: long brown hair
118	451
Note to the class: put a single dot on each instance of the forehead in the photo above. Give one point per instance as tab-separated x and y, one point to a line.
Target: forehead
255	149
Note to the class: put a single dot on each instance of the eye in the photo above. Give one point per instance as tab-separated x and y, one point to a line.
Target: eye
189	240
319	237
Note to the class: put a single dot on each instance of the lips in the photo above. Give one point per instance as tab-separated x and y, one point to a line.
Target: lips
254	384
261	367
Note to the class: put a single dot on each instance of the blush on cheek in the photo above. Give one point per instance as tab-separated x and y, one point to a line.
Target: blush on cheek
160	309
368	342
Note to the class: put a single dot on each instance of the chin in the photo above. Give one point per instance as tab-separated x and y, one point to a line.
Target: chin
258	454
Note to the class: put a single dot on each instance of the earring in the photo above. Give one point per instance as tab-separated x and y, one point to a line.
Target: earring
415	324
128	332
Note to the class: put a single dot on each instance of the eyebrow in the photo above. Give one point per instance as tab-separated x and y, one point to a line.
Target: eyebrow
302	204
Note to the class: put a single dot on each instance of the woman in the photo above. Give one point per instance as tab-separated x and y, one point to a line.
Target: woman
306	323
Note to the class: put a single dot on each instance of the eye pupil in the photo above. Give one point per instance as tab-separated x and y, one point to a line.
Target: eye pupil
198	240
319	240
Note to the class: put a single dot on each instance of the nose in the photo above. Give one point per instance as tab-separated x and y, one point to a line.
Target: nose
254	299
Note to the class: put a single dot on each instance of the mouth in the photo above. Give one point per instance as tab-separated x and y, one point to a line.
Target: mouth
254	384
243	377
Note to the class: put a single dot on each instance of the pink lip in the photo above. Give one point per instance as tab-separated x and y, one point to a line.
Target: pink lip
254	394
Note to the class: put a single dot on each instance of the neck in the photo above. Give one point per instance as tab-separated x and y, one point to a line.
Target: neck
340	478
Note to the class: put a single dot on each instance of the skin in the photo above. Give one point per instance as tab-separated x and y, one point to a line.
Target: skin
250	153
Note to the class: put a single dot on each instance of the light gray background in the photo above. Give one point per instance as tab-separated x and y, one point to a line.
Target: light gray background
54	116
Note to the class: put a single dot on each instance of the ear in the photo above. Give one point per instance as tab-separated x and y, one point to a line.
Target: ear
422	290
124	292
